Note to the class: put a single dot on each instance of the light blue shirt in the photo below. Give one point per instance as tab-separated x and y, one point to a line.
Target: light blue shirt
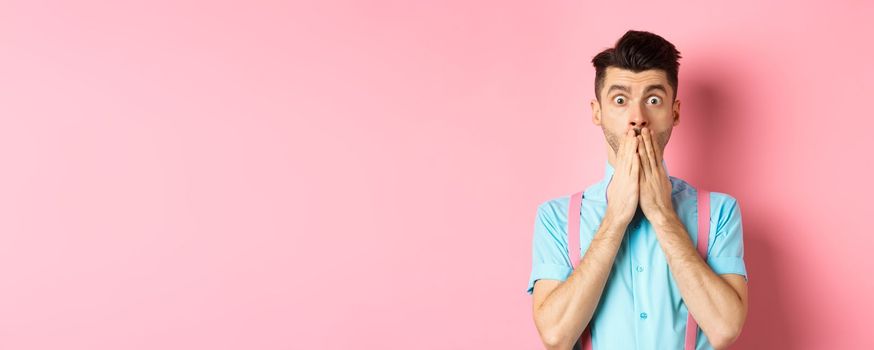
641	306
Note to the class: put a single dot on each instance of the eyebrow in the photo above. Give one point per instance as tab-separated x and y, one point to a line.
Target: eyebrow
628	90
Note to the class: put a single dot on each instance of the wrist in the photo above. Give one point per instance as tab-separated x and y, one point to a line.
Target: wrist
664	218
615	223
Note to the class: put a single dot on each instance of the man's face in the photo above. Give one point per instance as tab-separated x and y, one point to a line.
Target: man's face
633	100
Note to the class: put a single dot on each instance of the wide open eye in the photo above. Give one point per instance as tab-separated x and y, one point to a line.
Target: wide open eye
654	100
619	100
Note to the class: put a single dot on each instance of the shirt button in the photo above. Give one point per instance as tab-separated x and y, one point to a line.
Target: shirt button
643	315
640	269
637	226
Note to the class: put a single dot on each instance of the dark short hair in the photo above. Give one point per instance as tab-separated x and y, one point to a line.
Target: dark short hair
638	51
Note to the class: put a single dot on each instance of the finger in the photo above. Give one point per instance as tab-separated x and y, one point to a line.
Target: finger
641	178
619	151
622	154
631	153
650	152
629	137
659	153
644	160
623	143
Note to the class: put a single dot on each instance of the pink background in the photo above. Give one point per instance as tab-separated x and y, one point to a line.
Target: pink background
219	175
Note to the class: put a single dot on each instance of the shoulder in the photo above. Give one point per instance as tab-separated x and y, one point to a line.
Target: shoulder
724	211
722	200
552	214
554	208
723	203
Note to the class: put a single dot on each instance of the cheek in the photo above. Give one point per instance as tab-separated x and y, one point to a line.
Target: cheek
614	115
662	118
663	111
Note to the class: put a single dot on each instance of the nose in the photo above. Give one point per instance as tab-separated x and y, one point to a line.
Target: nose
638	118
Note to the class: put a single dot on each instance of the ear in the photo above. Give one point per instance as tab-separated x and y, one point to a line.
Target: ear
676	112
596	112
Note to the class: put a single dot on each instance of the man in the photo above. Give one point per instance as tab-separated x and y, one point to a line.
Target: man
640	274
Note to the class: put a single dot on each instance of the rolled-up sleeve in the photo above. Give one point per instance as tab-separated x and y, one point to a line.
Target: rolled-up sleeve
726	252
549	246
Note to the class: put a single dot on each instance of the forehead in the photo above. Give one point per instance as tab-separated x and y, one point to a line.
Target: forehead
636	81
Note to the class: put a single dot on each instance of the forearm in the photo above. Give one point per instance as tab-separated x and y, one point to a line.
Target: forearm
714	304
564	314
